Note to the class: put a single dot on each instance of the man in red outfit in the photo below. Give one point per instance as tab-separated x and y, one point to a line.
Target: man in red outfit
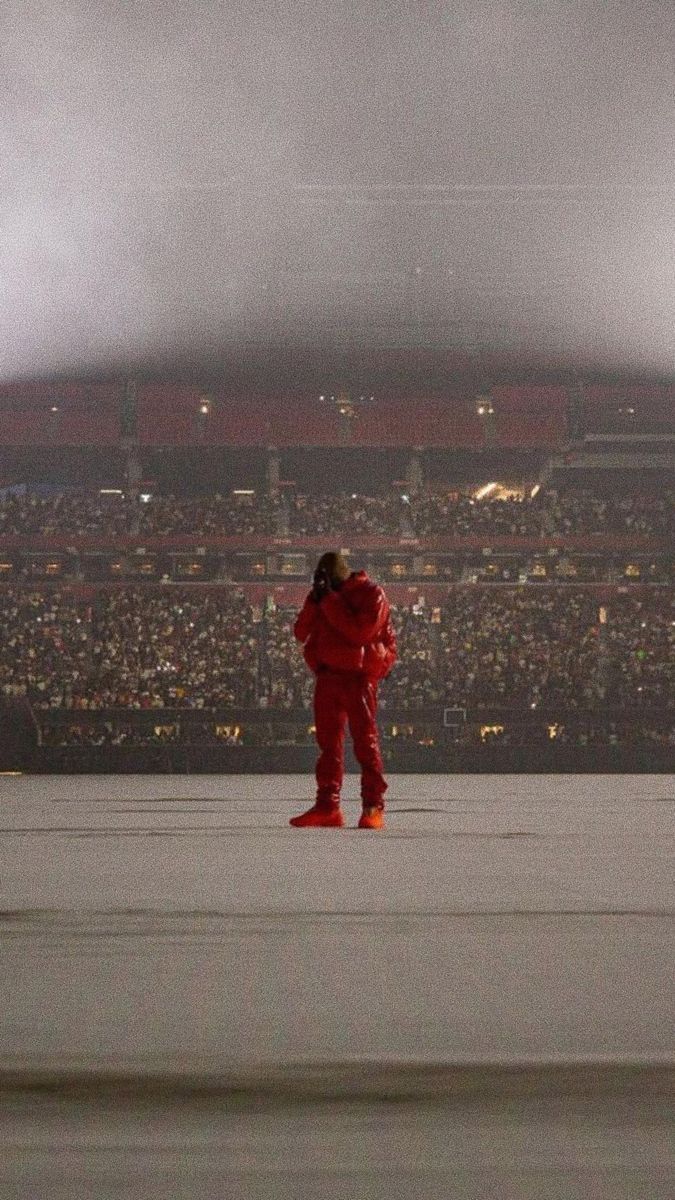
349	643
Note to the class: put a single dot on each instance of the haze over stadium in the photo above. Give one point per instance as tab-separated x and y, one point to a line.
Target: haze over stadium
260	187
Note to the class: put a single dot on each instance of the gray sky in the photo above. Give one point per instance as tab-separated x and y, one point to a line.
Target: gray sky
230	180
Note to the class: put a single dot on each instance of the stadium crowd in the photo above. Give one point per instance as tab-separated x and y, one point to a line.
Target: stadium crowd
558	650
548	513
344	513
114	515
153	649
285	681
128	649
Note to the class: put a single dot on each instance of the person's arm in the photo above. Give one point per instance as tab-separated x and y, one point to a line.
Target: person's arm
389	639
306	619
357	628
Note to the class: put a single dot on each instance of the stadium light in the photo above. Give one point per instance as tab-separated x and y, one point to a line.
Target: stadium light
485	491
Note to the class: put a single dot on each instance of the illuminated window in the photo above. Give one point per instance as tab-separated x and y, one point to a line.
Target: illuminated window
228	731
538	570
632	571
147	568
430	568
484	406
567	568
6	568
257	568
292	564
487	731
115	568
53	568
398	570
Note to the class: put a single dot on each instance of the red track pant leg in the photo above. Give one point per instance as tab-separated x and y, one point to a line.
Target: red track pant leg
361	710
330	715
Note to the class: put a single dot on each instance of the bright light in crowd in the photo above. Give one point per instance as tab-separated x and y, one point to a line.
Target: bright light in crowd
485	491
535	489
204	409
111	492
145	497
54	408
243	492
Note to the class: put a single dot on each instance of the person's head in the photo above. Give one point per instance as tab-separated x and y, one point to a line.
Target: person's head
335	566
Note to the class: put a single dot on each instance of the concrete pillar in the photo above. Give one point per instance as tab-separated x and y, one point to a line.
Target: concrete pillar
133	471
273	473
415	472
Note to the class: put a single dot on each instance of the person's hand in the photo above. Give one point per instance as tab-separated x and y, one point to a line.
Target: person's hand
320	586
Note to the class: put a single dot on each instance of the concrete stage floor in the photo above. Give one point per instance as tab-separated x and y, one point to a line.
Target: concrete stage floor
199	1000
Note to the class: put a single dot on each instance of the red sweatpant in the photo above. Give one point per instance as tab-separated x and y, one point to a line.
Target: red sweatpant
341	697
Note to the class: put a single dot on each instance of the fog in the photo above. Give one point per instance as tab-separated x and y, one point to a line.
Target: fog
484	183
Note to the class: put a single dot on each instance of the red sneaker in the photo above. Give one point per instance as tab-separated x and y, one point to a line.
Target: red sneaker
371	818
320	818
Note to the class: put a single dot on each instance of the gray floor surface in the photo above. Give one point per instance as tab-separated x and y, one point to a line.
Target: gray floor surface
173	925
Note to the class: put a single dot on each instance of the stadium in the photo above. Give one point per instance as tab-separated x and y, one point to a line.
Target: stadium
156	541
388	286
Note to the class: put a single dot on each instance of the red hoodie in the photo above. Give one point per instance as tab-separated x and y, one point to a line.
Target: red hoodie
349	630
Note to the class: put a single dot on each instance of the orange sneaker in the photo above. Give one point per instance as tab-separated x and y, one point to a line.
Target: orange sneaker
320	818
371	818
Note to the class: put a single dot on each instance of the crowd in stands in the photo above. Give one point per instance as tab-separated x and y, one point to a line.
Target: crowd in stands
45	651
151	649
520	649
115	515
129	649
286	682
344	513
182	650
553	650
415	681
649	514
212	516
548	513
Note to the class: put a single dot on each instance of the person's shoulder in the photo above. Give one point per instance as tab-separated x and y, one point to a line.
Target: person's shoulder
358	581
368	589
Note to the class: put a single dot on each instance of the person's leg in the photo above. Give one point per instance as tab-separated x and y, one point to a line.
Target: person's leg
329	719
363	728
